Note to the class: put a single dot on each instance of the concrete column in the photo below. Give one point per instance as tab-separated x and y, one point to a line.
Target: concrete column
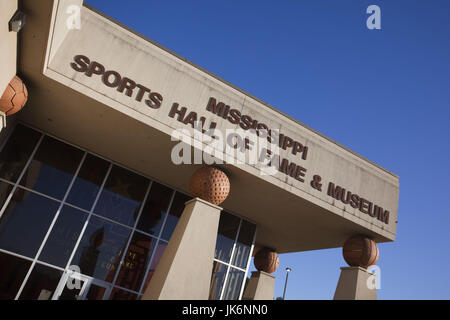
184	271
8	44
355	283
261	286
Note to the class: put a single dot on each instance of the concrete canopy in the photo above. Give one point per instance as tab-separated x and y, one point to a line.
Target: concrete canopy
291	215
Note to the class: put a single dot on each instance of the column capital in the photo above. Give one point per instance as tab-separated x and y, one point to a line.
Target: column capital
211	184
200	200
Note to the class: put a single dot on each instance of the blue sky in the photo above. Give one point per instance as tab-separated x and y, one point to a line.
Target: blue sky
383	93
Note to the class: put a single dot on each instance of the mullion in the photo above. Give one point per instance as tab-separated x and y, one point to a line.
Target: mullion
157	242
228	264
231	259
132	232
113	221
44	241
88	218
21	175
248	262
16	255
37	192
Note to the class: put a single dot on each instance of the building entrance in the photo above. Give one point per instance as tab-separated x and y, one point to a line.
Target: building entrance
62	208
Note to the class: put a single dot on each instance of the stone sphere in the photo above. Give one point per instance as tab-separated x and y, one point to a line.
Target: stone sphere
210	184
360	251
14	97
266	260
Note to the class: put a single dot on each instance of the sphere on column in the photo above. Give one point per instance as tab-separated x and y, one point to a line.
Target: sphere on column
14	97
266	260
360	251
210	184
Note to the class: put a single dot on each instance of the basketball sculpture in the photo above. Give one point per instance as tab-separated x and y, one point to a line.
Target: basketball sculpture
360	251
266	260
14	97
210	184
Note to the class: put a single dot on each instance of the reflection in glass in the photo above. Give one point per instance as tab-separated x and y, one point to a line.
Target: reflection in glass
122	196
101	248
117	294
63	236
25	222
72	292
234	284
152	215
52	168
243	244
95	292
41	284
17	151
174	215
88	182
5	190
218	277
135	262
226	234
13	272
159	250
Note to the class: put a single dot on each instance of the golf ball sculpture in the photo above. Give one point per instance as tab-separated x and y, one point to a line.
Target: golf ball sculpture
210	184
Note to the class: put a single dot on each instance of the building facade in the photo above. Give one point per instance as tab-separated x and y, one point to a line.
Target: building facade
98	172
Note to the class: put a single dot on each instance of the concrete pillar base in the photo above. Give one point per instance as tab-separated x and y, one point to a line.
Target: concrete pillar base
184	271
260	287
353	285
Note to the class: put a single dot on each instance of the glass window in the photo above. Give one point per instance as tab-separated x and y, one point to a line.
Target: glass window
135	263
159	250
234	284
243	244
226	235
62	238
13	273
72	292
117	294
101	248
52	168
95	292
27	217
41	284
174	215
155	208
88	182
122	196
5	190
25	222
17	151
217	278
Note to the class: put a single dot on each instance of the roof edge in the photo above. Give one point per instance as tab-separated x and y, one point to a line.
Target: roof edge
236	88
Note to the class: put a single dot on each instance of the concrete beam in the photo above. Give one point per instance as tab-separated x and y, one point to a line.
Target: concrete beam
8	44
